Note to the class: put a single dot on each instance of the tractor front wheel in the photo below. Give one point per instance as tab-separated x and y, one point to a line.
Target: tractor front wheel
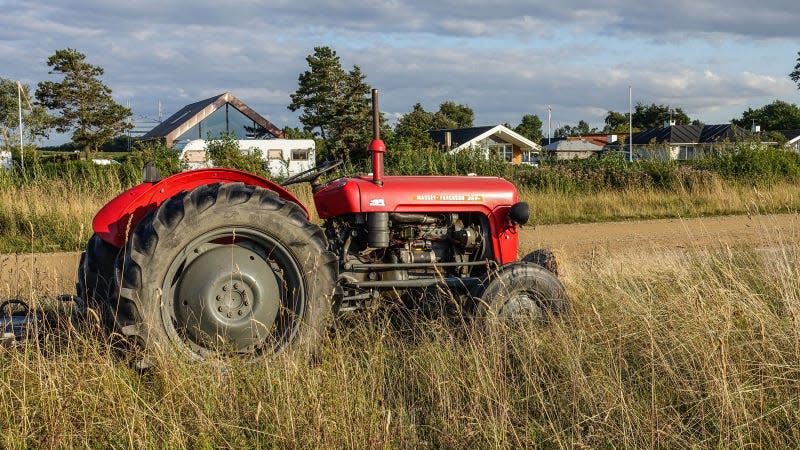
521	290
226	268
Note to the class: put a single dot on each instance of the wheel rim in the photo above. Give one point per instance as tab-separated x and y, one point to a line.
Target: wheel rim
233	289
522	304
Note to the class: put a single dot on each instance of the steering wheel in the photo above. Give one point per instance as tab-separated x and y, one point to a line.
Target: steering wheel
313	173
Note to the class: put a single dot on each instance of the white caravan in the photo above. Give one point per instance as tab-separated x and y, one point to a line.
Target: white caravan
282	157
5	160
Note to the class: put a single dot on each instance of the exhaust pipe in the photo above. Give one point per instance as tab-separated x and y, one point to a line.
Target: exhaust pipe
377	148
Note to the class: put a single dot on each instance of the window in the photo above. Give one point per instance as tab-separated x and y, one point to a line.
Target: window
274	154
529	156
502	151
300	154
686	152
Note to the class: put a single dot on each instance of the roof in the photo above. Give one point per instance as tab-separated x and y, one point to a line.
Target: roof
600	139
190	115
466	137
690	134
791	135
573	145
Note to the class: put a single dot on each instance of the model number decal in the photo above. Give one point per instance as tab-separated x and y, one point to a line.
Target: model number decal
448	198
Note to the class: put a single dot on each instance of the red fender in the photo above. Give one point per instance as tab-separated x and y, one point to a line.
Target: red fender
114	222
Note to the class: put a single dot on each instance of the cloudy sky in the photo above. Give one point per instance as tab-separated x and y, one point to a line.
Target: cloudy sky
504	59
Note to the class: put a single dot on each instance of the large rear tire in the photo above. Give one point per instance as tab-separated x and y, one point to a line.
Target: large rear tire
227	268
521	290
95	275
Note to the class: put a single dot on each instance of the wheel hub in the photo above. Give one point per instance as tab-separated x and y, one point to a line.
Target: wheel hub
230	292
521	304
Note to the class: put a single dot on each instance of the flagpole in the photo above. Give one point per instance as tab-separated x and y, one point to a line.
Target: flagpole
630	123
549	118
19	108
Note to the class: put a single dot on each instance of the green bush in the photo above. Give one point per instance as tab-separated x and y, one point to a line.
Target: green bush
225	152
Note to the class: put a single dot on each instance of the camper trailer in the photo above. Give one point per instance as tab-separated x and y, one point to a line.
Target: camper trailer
5	160
282	157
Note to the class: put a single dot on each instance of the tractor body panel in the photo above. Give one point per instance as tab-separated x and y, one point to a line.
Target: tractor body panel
491	197
117	219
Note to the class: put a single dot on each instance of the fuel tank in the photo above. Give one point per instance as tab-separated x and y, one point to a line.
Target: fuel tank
414	194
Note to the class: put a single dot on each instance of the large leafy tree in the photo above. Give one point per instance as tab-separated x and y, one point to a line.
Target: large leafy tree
582	128
795	75
616	122
530	127
81	101
34	117
645	117
335	104
778	115
455	115
413	127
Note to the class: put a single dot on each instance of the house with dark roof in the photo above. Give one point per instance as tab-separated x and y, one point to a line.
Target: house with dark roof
497	140
213	116
792	139
682	141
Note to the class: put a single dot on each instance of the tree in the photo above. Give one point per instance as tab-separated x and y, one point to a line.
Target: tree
645	117
35	120
460	115
82	102
778	115
412	128
530	127
334	102
795	75
616	122
581	129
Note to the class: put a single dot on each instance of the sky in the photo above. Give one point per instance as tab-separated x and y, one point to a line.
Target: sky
504	59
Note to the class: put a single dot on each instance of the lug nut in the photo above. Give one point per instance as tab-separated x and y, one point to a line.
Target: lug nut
229	315
245	303
236	286
240	312
219	309
219	298
225	288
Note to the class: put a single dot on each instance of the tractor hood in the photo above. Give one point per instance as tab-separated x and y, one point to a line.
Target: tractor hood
414	194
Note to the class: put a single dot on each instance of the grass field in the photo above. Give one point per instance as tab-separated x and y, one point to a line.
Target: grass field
56	215
670	350
662	348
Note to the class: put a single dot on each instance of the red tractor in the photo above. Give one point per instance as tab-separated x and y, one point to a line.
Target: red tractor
219	259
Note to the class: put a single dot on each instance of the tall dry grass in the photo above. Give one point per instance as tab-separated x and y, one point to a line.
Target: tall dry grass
56	215
691	348
716	198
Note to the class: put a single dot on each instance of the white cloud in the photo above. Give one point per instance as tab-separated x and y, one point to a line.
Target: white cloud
503	59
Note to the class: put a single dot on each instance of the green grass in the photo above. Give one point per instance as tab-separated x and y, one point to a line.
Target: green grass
674	351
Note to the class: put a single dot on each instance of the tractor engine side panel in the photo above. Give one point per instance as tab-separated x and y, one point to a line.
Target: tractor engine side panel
491	197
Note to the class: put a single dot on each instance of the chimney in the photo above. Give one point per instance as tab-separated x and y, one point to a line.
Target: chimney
612	138
756	128
448	140
669	123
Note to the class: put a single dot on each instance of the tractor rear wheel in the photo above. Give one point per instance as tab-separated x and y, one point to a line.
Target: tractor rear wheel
227	268
521	290
95	274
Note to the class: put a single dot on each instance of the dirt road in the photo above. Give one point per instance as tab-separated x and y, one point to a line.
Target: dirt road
581	239
31	276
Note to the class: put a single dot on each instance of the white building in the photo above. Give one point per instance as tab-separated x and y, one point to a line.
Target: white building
282	157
